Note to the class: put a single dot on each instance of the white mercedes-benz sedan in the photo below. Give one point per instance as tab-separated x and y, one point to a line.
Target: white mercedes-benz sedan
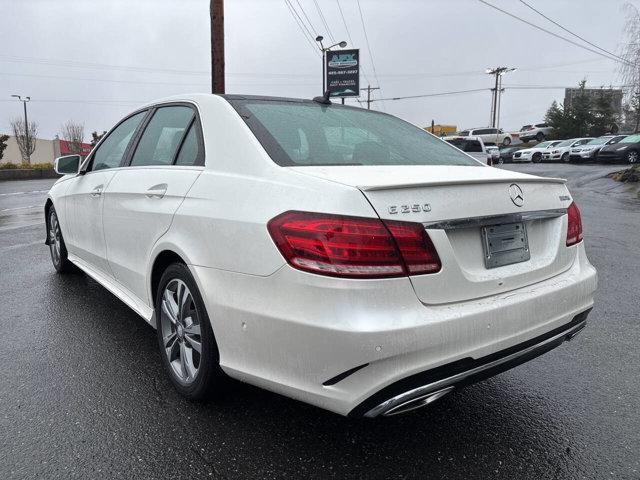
336	255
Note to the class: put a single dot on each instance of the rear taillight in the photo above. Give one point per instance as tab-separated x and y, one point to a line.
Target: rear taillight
574	225
353	247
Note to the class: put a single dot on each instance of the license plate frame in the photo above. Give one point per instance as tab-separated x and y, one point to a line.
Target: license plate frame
505	244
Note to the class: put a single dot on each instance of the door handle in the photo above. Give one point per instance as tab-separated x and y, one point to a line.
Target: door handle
97	191
157	191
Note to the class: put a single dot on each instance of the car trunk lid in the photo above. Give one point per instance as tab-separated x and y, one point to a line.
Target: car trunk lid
460	207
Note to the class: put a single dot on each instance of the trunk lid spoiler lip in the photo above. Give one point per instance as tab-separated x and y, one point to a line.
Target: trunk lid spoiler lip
444	183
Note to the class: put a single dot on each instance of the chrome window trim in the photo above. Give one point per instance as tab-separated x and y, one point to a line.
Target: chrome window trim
484	221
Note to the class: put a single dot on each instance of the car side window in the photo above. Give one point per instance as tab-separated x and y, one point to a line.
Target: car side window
162	136
188	154
109	153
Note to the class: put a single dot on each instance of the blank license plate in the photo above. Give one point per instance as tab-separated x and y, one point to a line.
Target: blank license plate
505	244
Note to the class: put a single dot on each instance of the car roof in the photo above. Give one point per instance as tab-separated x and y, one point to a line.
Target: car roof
207	97
461	137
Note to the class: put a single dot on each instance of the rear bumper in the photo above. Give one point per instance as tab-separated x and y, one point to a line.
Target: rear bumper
422	388
336	343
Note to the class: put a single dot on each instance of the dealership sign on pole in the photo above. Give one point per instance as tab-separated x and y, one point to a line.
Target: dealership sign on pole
343	73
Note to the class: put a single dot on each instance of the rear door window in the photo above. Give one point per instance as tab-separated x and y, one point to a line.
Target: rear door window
163	136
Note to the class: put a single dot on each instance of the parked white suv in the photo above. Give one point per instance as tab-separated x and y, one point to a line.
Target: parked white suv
539	132
488	135
337	255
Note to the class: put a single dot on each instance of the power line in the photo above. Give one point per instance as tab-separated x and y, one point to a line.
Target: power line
344	21
75	64
301	25
552	33
139	82
314	29
440	94
324	22
572	33
366	38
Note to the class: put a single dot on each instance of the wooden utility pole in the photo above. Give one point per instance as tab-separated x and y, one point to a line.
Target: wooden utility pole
217	46
369	89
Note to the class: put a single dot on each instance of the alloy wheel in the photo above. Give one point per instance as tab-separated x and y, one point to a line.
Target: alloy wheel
181	334
54	238
632	157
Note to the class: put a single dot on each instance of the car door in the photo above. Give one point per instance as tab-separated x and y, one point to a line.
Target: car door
140	201
84	205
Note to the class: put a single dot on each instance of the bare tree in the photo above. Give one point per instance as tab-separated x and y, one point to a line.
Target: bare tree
3	144
25	137
630	69
73	133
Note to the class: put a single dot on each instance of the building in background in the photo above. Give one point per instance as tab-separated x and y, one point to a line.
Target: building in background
441	130
613	94
46	150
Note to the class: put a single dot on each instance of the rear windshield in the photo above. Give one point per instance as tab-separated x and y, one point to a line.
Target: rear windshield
466	145
296	133
631	139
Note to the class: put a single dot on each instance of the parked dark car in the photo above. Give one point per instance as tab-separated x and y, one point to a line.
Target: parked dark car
590	150
506	154
626	150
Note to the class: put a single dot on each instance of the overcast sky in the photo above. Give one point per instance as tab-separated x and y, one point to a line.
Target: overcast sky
93	61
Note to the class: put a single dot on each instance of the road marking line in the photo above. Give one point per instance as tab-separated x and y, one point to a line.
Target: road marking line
19	208
23	193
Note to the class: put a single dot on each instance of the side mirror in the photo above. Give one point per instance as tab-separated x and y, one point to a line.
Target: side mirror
67	165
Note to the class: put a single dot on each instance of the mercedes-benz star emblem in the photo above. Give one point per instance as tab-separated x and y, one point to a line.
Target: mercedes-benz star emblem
515	192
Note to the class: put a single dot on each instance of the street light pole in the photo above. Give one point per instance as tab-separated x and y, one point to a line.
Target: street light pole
324	51
27	135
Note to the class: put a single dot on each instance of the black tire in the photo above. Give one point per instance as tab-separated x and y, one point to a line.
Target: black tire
632	157
540	136
57	247
565	157
537	157
506	142
525	141
209	379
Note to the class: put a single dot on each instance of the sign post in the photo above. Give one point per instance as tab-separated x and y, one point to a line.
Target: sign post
342	73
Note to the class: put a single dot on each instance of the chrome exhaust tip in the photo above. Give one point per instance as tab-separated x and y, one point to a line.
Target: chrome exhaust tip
418	402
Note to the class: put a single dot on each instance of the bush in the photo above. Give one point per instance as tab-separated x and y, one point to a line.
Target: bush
44	166
33	166
629	175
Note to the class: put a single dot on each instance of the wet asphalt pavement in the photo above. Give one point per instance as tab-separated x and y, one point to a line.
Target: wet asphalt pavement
83	395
